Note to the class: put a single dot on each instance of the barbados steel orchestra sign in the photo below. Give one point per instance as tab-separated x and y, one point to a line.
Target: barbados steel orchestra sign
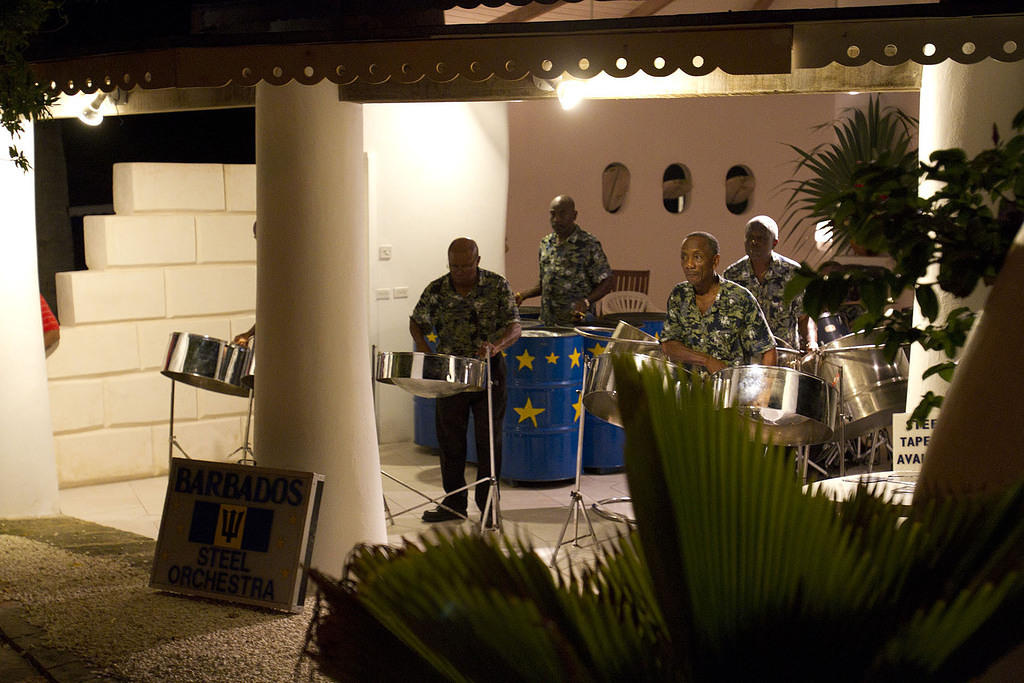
237	532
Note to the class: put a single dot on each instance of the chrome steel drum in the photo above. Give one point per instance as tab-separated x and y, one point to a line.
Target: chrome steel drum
207	363
831	326
873	388
249	376
431	375
794	408
599	395
788	358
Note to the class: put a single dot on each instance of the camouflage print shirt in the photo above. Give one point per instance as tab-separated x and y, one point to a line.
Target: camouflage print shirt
463	323
569	272
783	318
732	330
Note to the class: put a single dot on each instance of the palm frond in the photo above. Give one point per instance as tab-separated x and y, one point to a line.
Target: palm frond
759	566
735	573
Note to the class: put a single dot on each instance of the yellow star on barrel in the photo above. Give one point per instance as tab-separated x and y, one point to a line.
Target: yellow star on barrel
552	358
432	338
528	412
525	359
578	407
575	357
597	349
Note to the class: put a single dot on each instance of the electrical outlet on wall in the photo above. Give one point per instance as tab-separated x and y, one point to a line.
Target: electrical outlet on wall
384	252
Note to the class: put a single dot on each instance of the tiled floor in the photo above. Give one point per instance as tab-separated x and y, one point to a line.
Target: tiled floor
535	513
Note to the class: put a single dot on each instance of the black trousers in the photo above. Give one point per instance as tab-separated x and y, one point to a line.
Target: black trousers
452	420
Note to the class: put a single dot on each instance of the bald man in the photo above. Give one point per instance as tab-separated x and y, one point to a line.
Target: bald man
574	272
473	313
712	323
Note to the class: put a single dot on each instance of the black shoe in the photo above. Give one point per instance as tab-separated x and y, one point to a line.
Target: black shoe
440	514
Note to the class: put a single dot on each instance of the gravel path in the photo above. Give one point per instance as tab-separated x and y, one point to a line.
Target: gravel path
103	609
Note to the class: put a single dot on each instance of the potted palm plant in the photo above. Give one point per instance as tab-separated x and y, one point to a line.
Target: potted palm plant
865	188
733	574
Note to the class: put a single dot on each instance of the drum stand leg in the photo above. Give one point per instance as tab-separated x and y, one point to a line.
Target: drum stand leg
438	500
172	443
248	457
491	507
490	516
576	504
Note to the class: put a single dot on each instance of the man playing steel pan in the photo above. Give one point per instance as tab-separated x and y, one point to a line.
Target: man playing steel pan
765	273
474	315
711	322
574	271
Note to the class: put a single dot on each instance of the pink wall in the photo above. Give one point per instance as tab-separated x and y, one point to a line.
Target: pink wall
553	151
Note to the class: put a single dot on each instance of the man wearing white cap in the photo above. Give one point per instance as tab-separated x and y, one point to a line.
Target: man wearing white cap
765	273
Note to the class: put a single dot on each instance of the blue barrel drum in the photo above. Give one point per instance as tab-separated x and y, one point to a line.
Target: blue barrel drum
604	444
651	322
541	430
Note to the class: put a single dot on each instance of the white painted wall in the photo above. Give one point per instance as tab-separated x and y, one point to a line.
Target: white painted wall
437	171
28	479
555	151
178	256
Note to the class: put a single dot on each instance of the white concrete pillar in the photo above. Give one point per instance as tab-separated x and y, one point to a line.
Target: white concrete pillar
28	468
314	406
959	104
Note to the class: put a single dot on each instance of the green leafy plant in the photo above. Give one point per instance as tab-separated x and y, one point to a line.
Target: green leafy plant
21	97
871	135
733	574
870	197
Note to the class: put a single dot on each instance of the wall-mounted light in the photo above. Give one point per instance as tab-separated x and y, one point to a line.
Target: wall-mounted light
91	114
570	93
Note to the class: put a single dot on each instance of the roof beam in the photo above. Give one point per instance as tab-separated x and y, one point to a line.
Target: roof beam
525	13
648	8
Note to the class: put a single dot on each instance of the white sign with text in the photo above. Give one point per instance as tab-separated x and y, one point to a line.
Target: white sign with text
909	444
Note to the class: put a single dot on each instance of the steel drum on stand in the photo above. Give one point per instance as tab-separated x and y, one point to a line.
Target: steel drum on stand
793	408
604	440
544	373
208	363
431	375
424	411
872	387
211	364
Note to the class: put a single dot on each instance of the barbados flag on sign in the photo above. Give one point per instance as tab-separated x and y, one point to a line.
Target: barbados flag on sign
231	526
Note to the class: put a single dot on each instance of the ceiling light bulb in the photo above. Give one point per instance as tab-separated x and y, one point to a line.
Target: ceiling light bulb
91	114
570	93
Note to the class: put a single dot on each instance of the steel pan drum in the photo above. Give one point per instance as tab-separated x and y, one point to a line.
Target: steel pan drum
207	363
431	375
831	326
788	358
873	388
599	395
249	376
794	408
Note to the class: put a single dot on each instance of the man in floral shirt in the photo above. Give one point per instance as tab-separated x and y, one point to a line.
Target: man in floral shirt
711	322
765	273
574	271
474	316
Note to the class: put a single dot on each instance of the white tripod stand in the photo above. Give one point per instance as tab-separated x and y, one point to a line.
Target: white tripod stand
490	518
576	504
